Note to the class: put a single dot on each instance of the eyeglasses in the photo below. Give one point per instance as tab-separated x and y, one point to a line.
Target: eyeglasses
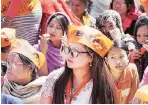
73	52
13	64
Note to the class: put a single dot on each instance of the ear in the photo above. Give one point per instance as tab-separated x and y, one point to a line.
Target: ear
106	60
91	58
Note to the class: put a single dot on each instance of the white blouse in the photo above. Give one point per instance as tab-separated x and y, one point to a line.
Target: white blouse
84	96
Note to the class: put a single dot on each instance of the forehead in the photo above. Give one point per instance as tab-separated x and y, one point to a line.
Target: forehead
119	1
54	21
143	28
77	45
13	57
117	51
77	1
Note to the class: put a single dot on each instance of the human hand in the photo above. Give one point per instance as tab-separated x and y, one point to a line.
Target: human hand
115	34
43	43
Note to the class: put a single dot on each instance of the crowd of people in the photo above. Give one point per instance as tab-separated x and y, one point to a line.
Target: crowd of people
74	52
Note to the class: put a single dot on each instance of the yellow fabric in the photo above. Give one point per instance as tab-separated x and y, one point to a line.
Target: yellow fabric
86	19
23	47
7	36
27	7
90	37
142	93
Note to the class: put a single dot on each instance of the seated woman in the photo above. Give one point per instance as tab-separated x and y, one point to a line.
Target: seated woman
80	9
129	14
50	43
84	79
140	55
109	22
21	79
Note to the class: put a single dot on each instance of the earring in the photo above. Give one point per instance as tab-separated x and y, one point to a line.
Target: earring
90	64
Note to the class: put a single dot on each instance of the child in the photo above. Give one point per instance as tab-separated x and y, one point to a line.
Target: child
141	37
124	74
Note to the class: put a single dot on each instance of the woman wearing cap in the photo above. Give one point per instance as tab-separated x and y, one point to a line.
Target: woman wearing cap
84	79
24	16
21	79
50	43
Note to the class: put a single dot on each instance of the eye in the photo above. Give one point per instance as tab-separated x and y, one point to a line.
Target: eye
121	56
50	26
59	28
112	57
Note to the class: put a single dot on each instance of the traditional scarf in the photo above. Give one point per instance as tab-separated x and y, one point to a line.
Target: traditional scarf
54	59
29	93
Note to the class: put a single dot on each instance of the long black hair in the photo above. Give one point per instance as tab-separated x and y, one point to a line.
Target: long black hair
102	91
142	21
62	19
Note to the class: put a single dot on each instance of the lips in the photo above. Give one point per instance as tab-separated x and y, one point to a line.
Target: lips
52	35
69	60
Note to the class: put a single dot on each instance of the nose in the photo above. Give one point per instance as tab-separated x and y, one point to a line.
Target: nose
53	30
118	62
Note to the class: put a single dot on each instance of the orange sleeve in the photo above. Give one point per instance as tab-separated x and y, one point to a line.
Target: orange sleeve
15	5
134	86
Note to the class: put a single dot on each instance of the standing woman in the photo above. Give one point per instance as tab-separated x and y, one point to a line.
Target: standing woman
24	16
84	79
50	43
129	14
80	9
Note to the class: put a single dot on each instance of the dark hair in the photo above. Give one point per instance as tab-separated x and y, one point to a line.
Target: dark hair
26	61
141	9
62	19
142	21
102	91
120	44
5	49
129	4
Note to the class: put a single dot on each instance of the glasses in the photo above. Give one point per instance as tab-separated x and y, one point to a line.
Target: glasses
73	52
13	64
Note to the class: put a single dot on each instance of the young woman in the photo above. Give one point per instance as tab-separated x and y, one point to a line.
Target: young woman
124	74
109	22
84	79
80	9
129	14
141	37
51	42
21	79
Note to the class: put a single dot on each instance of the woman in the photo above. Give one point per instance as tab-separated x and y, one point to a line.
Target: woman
124	74
109	22
80	9
21	79
24	16
84	79
141	37
51	42
50	7
129	14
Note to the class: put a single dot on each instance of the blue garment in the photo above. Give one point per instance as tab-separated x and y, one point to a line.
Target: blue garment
8	99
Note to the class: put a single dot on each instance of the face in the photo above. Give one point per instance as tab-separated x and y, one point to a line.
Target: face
142	34
55	31
120	6
77	56
108	26
16	70
78	7
117	59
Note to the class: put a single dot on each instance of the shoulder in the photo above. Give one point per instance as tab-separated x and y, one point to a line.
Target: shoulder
48	87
